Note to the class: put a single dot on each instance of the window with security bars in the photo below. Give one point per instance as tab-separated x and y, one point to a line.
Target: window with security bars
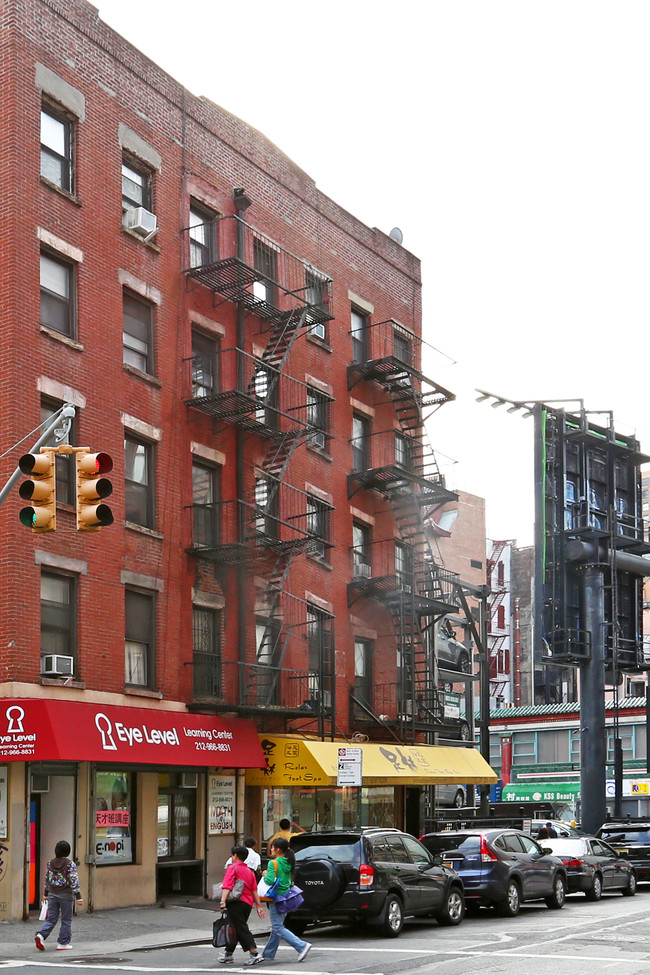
57	147
206	651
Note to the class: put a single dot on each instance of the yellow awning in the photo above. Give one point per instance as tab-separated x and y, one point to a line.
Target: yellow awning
296	761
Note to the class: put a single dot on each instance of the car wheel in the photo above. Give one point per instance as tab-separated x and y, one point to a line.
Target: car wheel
464	664
630	888
393	917
459	799
296	925
453	910
596	891
464	732
558	897
510	906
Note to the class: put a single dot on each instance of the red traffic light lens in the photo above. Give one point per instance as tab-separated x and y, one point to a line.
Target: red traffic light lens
104	463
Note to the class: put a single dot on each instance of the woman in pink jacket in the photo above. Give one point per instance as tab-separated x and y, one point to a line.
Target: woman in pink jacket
239	910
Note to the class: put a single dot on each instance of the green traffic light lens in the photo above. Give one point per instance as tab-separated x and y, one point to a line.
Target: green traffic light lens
27	517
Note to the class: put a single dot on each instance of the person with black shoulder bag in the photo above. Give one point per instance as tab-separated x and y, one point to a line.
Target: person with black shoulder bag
238	894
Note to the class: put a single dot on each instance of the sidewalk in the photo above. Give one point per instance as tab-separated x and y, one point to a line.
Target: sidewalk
114	932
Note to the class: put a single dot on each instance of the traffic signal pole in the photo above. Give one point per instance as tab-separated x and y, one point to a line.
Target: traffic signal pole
65	415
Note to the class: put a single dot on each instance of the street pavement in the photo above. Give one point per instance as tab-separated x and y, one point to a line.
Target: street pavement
176	921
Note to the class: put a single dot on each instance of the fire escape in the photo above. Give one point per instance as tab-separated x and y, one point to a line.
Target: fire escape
403	572
265	530
497	638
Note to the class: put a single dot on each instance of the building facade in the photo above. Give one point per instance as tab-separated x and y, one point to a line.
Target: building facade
248	354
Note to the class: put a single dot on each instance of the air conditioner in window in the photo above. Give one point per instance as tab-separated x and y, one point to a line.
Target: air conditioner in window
140	221
40	782
189	780
407	709
362	570
57	665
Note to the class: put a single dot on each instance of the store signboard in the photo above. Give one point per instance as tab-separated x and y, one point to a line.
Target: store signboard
452	705
349	766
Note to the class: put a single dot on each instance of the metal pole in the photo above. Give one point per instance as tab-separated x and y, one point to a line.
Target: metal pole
593	746
66	413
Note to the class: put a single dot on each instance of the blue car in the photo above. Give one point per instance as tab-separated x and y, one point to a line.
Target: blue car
501	868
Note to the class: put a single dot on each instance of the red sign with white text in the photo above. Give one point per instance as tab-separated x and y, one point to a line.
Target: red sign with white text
73	731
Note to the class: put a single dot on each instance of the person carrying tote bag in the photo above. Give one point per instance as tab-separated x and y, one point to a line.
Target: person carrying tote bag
238	894
281	868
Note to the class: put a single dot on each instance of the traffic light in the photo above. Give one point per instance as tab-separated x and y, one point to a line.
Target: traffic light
91	488
40	516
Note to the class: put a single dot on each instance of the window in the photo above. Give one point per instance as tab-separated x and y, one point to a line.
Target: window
65	464
403	567
265	507
359	329
57	147
363	671
57	294
205	497
58	614
403	452
318	520
138	333
204	365
501	617
206	651
319	643
361	550
201	236
402	346
318	408
114	817
137	184
315	297
265	263
360	443
138	475
139	638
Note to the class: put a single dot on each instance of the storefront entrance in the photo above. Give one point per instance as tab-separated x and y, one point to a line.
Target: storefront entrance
179	871
51	818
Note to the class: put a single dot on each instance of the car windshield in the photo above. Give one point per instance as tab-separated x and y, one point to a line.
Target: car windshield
457	842
566	847
341	849
627	834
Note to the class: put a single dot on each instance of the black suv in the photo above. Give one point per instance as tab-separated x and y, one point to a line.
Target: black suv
632	841
378	876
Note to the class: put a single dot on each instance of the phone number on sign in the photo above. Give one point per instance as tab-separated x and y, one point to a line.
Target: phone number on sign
212	746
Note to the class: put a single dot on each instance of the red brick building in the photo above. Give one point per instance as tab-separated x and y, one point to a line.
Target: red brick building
248	353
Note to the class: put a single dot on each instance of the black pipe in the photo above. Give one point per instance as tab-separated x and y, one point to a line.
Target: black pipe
593	741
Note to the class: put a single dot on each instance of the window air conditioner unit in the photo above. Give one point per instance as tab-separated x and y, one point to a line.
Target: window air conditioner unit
189	780
40	782
407	709
57	665
140	221
362	571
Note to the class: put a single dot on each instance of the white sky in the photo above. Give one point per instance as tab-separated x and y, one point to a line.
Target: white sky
509	141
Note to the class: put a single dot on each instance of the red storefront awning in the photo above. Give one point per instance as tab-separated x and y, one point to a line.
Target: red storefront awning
34	730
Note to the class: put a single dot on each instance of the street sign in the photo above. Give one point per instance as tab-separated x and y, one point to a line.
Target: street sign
349	766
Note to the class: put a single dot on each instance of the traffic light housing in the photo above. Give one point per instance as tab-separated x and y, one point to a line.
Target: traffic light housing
92	487
40	516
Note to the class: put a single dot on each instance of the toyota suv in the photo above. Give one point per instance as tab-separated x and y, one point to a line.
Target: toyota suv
378	876
632	841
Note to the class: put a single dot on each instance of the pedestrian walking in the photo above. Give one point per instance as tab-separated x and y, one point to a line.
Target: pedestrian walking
282	866
239	908
61	890
253	860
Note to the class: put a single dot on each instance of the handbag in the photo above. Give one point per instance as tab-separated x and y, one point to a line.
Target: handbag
223	932
269	892
237	889
290	901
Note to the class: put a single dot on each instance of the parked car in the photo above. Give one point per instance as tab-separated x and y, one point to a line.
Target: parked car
371	875
562	829
592	866
452	654
451	795
631	840
501	868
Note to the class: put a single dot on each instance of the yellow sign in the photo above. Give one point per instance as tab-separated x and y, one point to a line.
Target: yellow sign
296	761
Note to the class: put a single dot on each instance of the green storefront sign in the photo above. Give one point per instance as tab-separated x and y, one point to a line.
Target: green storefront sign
541	792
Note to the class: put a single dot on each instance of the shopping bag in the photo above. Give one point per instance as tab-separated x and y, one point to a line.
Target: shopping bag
43	915
268	892
223	933
290	901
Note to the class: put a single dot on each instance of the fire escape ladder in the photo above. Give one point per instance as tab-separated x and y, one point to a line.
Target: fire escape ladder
415	687
283	335
412	530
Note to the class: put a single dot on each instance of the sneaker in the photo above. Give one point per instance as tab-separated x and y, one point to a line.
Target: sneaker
255	960
40	941
305	951
68	947
225	958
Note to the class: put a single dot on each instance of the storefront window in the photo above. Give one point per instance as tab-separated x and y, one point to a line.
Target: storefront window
326	808
176	818
114	809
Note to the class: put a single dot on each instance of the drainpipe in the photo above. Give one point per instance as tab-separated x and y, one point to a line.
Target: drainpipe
242	203
517	655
